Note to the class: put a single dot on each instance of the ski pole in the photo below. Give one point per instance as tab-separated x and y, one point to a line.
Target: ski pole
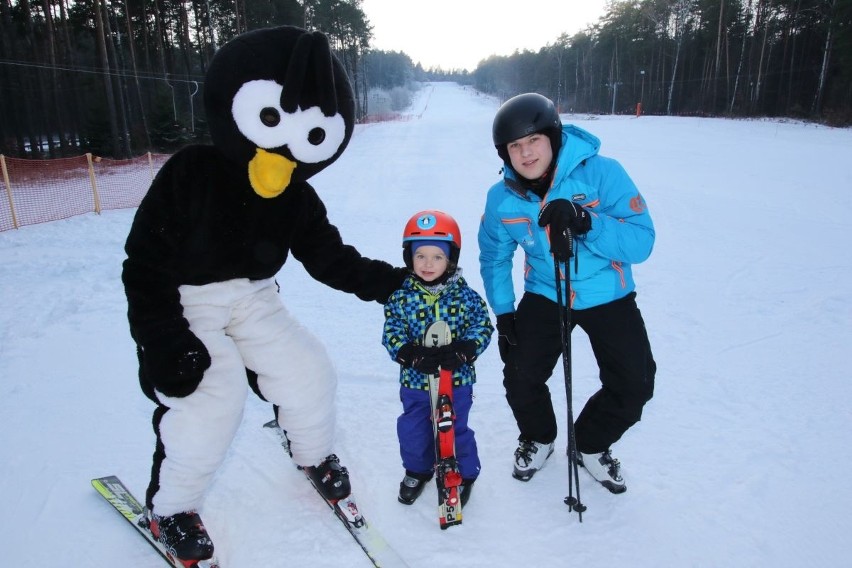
564	306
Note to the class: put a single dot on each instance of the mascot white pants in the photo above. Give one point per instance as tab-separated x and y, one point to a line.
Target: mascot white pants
243	324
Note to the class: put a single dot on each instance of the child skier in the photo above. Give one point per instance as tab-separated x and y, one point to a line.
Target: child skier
435	290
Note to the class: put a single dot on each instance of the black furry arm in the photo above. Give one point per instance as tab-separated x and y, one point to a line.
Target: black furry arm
149	274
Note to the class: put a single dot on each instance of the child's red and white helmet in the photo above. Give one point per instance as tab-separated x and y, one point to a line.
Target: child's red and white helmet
431	225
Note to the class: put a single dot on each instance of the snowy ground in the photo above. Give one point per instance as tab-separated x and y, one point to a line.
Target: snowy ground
739	459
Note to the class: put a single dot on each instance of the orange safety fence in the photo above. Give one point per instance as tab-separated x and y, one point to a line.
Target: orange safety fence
38	191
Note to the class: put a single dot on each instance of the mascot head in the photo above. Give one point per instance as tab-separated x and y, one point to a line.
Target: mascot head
279	103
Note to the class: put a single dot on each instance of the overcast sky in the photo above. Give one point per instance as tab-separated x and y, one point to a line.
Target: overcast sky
457	34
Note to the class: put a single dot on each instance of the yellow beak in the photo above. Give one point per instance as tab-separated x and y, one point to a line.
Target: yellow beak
269	174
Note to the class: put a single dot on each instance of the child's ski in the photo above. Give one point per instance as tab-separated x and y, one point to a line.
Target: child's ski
447	475
113	490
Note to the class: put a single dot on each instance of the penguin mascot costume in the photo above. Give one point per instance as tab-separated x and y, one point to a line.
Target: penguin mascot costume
215	227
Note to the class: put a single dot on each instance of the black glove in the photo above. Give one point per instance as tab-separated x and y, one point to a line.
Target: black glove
457	353
506	334
565	218
419	358
174	363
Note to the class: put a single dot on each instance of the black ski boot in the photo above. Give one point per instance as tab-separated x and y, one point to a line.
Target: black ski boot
183	535
465	489
330	478
412	486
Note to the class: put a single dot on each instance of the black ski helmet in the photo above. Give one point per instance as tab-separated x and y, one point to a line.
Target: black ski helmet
523	115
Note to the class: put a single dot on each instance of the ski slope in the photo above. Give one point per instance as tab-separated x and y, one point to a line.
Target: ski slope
738	461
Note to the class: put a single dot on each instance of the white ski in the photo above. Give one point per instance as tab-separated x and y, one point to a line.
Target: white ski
114	491
368	538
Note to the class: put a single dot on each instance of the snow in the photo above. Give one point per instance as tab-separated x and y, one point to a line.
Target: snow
738	460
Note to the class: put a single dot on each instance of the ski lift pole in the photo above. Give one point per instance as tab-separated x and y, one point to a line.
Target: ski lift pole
564	305
192	106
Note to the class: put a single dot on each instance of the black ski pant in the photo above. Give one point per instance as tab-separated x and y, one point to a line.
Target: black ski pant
620	344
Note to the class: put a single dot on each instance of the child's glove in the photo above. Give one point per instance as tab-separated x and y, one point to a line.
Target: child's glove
457	354
174	363
419	358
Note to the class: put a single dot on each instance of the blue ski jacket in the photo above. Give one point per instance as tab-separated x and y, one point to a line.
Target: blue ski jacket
622	232
414	307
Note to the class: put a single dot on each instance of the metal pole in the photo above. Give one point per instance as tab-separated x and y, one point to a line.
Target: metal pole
614	92
564	306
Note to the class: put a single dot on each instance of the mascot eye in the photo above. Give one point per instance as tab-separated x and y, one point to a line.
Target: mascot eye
270	117
316	136
257	112
310	136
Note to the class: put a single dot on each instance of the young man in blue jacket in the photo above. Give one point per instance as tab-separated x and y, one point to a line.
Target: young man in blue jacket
560	200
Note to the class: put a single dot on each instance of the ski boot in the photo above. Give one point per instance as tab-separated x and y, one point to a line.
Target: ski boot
412	486
605	469
465	490
183	535
330	478
529	458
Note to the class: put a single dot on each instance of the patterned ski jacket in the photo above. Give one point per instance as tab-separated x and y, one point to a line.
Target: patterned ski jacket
622	232
412	308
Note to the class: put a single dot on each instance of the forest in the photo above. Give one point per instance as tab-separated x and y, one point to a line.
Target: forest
740	58
118	78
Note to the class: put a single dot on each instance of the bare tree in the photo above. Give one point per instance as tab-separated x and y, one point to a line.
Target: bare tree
829	6
681	15
717	61
108	91
135	68
746	20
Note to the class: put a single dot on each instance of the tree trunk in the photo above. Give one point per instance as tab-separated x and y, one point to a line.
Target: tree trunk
119	85
747	16
764	20
792	73
56	80
132	52
72	104
110	99
159	20
678	37
717	64
816	107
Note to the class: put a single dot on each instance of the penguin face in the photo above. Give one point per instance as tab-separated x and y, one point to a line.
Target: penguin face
279	104
309	135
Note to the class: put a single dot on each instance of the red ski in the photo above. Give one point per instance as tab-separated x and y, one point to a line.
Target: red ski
447	475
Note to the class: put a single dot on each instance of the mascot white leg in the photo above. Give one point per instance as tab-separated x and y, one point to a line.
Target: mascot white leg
197	429
293	370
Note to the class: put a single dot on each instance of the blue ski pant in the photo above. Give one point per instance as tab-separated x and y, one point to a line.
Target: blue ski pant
417	439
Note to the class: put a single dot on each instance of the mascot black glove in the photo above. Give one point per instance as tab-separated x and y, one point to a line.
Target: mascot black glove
419	358
565	219
174	363
457	354
506	337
